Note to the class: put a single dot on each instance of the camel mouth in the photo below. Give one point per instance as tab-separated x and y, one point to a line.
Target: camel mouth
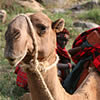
17	60
14	62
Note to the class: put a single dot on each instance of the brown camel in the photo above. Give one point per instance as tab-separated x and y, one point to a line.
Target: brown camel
33	39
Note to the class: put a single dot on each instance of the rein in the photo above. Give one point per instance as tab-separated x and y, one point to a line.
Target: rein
45	66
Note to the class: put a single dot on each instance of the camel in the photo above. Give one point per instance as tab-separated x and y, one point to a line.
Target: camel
32	40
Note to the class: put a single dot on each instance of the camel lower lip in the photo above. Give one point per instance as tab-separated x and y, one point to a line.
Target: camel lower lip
16	61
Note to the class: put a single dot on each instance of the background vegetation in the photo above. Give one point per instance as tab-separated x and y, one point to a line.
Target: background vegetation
8	88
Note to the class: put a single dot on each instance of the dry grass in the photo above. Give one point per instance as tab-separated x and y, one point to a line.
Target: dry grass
6	3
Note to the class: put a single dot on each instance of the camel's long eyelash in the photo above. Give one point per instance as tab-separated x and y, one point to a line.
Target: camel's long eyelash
16	34
41	29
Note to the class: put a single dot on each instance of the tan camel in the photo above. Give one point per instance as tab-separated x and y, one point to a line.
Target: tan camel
36	40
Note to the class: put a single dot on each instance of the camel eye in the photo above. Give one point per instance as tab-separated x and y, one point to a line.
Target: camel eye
41	29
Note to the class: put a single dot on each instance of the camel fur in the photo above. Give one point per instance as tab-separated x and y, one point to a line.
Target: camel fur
34	47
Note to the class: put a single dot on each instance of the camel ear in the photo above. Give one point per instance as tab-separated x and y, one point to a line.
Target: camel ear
58	25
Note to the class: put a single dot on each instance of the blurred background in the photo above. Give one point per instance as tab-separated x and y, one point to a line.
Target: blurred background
79	15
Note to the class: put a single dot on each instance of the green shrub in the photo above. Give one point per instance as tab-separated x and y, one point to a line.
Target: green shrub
92	15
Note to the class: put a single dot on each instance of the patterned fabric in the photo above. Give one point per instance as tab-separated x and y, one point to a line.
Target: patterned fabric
65	59
86	54
87	51
21	79
63	55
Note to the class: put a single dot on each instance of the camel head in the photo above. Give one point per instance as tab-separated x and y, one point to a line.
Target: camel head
20	43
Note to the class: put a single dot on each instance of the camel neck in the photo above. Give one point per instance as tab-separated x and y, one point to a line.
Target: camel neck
46	85
54	84
52	81
37	86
